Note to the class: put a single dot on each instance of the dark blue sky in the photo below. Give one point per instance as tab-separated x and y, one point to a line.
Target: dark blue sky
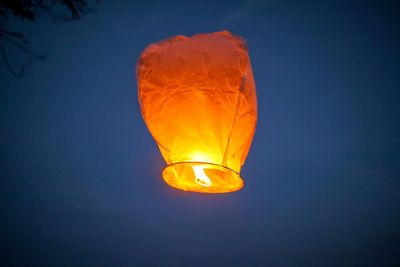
81	175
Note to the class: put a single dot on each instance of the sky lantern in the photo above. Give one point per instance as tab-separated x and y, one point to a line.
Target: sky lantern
197	96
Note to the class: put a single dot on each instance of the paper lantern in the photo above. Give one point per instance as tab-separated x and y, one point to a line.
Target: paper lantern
198	99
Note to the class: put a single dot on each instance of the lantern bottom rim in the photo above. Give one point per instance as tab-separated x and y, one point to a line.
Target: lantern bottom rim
202	177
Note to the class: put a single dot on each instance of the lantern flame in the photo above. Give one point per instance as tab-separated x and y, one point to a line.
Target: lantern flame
201	177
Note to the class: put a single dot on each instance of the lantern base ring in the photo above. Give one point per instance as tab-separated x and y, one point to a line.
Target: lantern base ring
202	177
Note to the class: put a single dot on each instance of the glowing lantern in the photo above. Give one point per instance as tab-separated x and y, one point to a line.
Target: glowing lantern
198	99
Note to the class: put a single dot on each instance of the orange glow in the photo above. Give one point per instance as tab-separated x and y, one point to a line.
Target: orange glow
198	99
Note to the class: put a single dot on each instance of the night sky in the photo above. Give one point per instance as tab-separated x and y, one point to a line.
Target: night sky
80	173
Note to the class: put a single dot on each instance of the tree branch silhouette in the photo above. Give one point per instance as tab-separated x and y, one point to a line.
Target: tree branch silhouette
66	10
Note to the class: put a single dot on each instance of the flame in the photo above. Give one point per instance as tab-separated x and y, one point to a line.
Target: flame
201	177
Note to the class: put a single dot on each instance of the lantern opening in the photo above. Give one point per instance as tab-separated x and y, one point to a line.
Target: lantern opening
202	177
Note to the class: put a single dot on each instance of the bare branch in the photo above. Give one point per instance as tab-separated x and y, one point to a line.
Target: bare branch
14	34
19	73
66	10
23	48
